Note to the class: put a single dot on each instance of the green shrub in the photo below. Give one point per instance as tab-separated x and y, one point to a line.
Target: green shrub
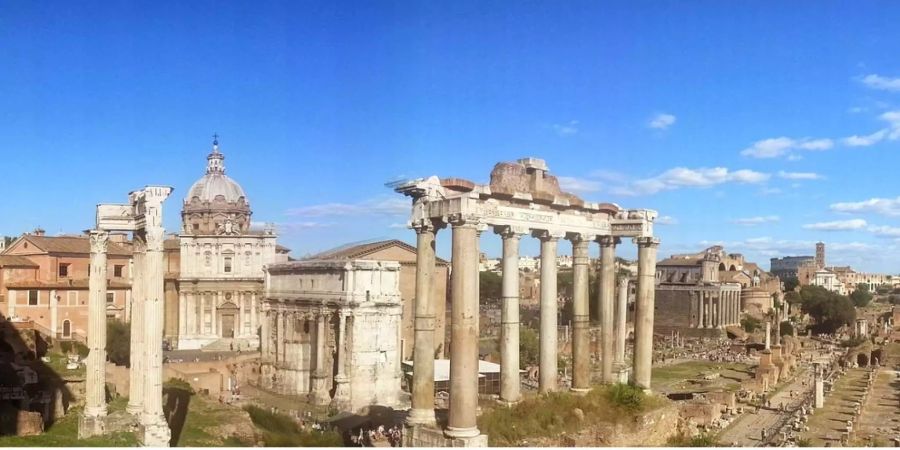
81	349
65	347
118	342
179	385
280	430
750	324
626	396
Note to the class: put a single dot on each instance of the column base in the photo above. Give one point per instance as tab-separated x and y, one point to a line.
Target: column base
427	436
461	433
509	403
622	373
421	417
155	434
134	410
341	400
89	426
579	391
319	395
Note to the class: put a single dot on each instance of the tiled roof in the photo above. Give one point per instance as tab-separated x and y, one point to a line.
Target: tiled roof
16	261
71	244
362	250
693	261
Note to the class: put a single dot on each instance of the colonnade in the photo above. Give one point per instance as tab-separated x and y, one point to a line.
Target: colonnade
716	309
464	317
200	313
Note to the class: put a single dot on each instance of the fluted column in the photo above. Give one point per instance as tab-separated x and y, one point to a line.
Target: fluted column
644	306
156	430
214	301
714	302
203	329
279	352
182	314
253	313
581	355
95	385
607	294
464	330
137	357
621	328
547	373
510	380
241	311
422	411
264	337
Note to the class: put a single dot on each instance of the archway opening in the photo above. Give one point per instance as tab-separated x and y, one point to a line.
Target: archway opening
862	360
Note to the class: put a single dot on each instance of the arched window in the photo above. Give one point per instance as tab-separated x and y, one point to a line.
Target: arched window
67	328
722	267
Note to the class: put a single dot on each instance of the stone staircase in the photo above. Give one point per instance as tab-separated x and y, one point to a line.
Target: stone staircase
229	344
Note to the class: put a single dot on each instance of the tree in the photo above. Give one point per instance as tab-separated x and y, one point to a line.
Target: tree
786	328
861	296
529	347
750	324
490	286
830	310
793	298
118	342
790	282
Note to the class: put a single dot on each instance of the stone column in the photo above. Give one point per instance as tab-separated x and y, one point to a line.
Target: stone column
264	334
510	381
253	307
643	317
819	395
182	314
622	331
607	293
156	431
341	400
464	331
279	351
240	299
549	306
768	335
203	316
581	356
214	301
320	376
137	357
422	411
704	310
92	423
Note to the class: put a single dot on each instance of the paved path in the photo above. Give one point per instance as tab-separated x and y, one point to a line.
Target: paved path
746	429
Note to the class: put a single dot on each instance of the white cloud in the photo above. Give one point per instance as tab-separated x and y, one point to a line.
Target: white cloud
838	225
892	132
758	220
882	83
666	220
780	146
566	129
573	184
883	206
662	121
679	177
392	206
799	175
608	175
885	231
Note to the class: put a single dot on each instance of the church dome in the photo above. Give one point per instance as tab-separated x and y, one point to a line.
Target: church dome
216	204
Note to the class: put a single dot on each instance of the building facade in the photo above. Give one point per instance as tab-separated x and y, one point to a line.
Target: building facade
219	283
44	279
789	266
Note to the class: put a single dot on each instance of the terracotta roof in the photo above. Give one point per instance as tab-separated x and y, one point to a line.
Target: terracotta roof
16	261
64	284
691	261
281	249
71	244
361	250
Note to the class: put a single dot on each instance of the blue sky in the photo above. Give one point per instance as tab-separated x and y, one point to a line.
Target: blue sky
766	127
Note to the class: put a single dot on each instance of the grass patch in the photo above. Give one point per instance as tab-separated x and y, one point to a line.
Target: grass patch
280	430
702	440
554	414
64	433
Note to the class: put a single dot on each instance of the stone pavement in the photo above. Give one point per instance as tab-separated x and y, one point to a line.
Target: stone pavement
746	429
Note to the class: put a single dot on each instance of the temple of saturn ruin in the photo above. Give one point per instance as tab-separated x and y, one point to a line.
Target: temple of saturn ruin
521	199
143	217
331	330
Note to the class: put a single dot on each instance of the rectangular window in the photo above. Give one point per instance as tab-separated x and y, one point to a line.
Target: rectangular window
117	271
32	297
63	270
73	298
227	264
110	297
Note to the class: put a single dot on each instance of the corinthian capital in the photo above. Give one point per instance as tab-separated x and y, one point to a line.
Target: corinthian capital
548	235
608	241
646	241
99	241
464	220
510	232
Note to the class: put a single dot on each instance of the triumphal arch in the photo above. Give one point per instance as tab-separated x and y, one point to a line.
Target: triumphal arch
522	199
142	216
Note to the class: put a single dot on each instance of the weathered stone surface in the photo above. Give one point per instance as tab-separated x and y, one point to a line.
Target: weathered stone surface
29	423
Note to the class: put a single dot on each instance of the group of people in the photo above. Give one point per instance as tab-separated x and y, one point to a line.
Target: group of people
367	437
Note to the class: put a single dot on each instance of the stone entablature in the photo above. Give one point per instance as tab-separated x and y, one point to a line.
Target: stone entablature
331	330
232	257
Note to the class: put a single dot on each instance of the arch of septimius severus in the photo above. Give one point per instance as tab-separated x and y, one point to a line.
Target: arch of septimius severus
522	199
